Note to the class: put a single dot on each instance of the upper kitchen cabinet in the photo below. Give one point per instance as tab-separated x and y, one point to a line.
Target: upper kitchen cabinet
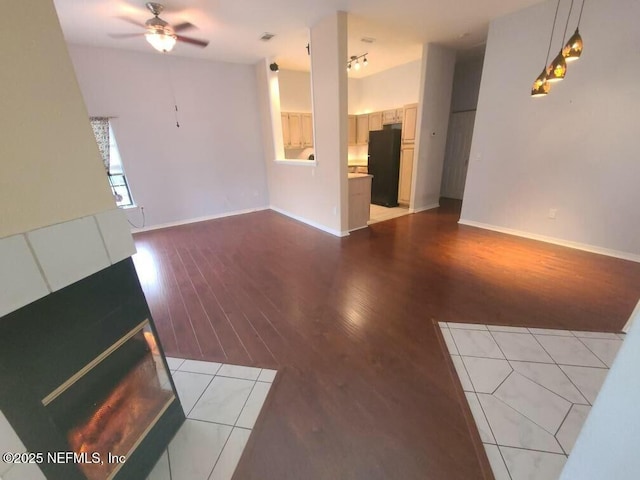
286	134
409	123
353	128
362	129
375	121
297	130
307	130
392	116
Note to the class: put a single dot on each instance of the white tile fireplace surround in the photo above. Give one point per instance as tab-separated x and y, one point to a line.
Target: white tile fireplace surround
529	390
36	263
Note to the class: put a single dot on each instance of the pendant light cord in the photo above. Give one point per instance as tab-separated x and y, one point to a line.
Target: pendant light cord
552	30
580	17
566	25
173	95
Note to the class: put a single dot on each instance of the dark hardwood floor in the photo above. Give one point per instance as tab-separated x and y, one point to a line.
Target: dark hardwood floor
364	389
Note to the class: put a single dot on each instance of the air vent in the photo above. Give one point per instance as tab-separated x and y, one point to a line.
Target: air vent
367	39
266	36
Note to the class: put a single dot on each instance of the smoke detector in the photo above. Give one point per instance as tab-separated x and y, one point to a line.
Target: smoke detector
266	36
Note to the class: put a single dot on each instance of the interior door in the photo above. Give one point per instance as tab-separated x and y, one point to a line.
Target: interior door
456	159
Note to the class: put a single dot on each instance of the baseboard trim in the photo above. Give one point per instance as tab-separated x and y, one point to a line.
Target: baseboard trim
311	223
198	219
426	207
556	241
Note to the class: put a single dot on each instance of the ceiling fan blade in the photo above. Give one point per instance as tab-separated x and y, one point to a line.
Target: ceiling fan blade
133	22
183	26
193	41
125	35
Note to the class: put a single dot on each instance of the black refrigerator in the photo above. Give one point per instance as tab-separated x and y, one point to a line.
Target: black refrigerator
384	165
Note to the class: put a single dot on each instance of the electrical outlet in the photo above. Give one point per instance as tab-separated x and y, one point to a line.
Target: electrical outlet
552	213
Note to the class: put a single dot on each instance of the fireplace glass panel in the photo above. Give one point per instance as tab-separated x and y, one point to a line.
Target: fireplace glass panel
110	405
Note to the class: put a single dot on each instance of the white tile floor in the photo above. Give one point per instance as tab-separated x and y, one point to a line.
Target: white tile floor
378	213
222	403
529	390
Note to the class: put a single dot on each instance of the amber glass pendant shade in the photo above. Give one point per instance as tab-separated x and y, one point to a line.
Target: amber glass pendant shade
541	87
557	70
573	49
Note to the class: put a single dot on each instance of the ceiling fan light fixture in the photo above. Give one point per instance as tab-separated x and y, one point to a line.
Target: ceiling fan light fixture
573	49
161	41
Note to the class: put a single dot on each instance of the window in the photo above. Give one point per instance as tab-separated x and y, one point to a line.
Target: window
112	161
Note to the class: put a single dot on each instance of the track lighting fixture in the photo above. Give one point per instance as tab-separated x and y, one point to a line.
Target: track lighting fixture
354	61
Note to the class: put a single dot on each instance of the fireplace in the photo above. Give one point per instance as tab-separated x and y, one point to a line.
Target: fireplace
85	380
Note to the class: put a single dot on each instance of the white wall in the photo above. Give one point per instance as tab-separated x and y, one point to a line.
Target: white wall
389	89
50	168
466	84
295	91
575	150
312	192
607	446
438	64
211	165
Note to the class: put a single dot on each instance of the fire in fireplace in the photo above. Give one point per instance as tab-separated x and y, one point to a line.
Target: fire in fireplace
110	405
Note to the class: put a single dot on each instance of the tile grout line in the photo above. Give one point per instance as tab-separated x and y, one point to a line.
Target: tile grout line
200	397
525	416
220	454
558	430
493	435
245	403
169	461
594	353
540	385
504	462
565	373
505	379
521	414
533	450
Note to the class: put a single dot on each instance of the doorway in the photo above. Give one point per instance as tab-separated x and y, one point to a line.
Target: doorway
456	157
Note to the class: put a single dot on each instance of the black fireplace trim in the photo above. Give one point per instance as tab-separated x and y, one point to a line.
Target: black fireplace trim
46	342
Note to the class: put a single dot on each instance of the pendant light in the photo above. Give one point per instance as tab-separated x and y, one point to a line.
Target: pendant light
558	68
573	48
541	86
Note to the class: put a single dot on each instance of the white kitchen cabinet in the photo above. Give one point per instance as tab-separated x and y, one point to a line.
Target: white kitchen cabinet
392	116
362	129
307	130
286	134
297	130
359	200
375	121
353	138
406	172
409	121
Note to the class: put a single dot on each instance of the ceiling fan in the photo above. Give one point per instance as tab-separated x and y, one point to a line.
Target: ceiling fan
160	34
